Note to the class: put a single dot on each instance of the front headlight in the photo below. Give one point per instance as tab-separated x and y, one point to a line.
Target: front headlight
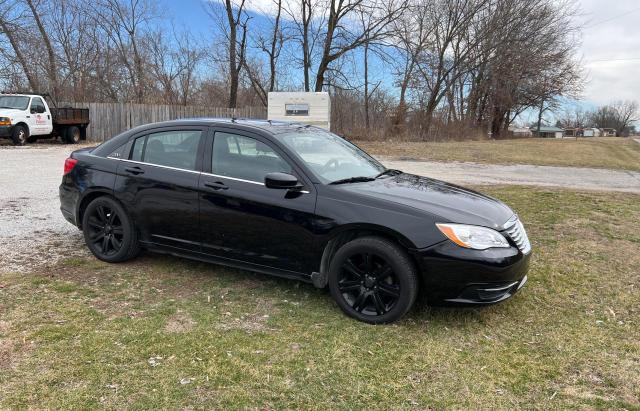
471	236
5	121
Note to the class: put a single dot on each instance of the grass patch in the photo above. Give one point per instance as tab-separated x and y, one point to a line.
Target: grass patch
162	332
609	152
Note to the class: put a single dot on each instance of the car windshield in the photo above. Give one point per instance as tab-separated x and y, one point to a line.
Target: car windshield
330	157
16	102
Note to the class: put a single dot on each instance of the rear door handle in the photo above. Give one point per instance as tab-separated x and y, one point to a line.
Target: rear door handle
218	185
134	170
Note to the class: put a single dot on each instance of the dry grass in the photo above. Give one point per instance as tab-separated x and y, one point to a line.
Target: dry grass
610	152
162	332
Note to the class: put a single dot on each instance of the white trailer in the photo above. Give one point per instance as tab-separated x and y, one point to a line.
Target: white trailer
312	108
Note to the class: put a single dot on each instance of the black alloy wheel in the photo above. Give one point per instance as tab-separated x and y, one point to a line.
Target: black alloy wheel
373	280
108	231
368	284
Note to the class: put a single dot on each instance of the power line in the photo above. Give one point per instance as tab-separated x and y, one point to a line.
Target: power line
612	60
617	16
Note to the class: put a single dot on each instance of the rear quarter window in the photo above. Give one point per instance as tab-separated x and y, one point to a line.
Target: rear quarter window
119	152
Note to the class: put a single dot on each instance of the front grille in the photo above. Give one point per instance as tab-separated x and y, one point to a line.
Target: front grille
515	230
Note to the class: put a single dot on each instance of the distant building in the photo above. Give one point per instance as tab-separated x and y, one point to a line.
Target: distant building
591	132
572	132
609	132
547	132
520	131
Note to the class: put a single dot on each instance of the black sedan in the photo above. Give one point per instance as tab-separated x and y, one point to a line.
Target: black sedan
298	202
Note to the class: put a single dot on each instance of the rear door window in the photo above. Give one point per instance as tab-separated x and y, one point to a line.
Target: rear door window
177	149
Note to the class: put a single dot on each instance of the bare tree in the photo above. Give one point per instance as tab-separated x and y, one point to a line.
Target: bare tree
10	26
270	44
233	23
339	39
618	115
412	33
125	24
52	68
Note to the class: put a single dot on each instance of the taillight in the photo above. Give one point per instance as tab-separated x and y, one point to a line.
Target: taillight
69	164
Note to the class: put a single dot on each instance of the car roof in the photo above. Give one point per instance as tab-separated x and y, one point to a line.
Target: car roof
274	127
19	95
271	127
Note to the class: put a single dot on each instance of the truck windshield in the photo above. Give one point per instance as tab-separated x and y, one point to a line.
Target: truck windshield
15	102
330	157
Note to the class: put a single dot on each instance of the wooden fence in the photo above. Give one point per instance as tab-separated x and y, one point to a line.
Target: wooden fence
110	119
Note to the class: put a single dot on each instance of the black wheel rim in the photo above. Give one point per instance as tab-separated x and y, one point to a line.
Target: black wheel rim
105	230
368	284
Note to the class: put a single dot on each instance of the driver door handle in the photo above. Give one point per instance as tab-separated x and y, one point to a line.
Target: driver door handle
134	170
218	185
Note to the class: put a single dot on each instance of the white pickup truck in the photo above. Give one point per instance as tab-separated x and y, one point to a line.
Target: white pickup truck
26	117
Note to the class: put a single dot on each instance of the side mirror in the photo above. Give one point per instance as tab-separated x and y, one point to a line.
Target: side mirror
282	181
40	109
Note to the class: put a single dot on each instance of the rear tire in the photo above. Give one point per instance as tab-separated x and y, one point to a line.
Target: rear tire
72	135
109	232
20	135
373	280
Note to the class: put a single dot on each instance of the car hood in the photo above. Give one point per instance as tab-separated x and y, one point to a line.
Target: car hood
448	202
10	112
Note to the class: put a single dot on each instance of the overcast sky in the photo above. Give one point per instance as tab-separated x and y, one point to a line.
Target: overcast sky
611	49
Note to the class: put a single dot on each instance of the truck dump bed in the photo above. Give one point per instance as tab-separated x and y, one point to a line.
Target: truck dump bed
69	115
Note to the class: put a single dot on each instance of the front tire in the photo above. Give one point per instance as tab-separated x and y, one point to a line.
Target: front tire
20	135
373	280
109	232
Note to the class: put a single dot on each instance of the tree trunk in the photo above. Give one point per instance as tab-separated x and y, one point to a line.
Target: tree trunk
52	70
366	86
33	83
272	56
306	58
233	73
540	117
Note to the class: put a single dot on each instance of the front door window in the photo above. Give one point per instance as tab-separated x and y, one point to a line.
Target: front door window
245	158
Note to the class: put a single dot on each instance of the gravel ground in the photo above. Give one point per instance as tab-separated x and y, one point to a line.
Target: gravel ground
522	174
33	231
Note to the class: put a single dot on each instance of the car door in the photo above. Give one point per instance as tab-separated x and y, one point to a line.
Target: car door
158	183
39	119
30	118
240	218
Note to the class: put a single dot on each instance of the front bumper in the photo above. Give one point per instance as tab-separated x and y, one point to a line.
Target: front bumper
6	131
453	275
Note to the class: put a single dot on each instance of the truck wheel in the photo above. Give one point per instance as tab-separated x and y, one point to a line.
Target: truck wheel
72	135
20	135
